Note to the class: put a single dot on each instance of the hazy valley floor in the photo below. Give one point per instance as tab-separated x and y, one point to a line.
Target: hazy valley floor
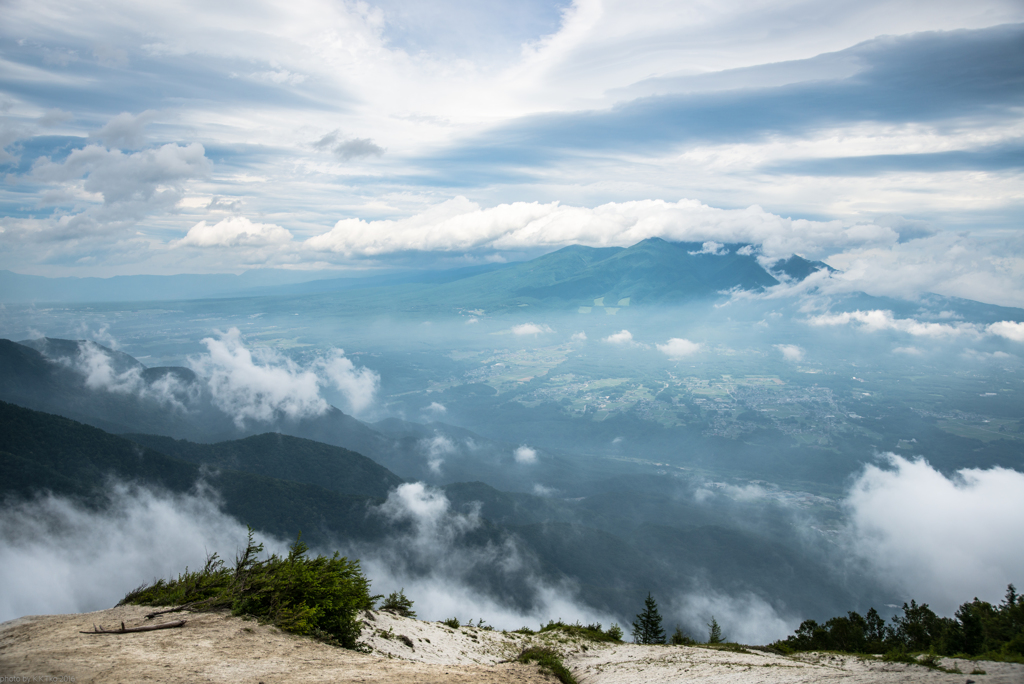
216	647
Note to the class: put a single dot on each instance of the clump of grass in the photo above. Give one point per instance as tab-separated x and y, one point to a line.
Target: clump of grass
549	661
592	632
319	597
452	622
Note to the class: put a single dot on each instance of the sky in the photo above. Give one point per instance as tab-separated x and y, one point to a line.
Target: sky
188	137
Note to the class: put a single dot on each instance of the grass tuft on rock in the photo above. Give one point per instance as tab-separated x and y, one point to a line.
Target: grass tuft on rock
549	662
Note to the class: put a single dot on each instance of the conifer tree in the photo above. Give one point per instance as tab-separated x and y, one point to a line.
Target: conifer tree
714	632
647	626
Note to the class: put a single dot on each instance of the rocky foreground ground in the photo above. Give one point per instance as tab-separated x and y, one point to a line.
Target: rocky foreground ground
216	647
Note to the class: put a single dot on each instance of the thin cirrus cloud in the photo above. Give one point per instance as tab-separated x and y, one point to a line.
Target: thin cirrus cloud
927	77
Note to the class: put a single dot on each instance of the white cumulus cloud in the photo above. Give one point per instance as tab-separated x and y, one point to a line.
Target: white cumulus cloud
531	329
679	348
621	337
263	385
236	230
1011	330
943	538
791	352
525	454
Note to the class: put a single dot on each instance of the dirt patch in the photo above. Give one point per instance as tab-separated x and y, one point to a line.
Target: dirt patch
211	647
216	647
629	663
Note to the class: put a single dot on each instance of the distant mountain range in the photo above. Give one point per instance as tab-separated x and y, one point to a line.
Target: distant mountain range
650	272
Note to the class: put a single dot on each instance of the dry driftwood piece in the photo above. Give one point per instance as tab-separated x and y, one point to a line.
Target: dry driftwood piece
125	630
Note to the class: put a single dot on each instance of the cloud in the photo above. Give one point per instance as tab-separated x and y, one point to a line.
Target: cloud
679	348
531	329
125	131
263	385
131	186
1011	330
54	117
745	618
429	553
525	454
712	247
791	352
357	385
61	556
353	148
941	539
437	447
108	371
234	231
621	337
877	320
578	337
458	225
909	351
436	409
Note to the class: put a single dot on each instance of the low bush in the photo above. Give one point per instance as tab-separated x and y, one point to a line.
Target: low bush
319	597
592	631
398	604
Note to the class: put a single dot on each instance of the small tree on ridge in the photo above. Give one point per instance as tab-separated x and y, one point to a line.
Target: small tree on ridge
647	626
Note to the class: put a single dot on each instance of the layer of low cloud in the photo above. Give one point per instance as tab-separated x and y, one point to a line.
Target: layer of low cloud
745	618
941	539
102	370
437	448
876	320
459	224
63	557
431	562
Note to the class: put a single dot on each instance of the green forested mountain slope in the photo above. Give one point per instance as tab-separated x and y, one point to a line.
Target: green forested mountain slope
41	452
288	458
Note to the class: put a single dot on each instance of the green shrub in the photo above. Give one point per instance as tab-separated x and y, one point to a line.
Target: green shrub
319	597
452	622
549	662
681	638
592	631
397	603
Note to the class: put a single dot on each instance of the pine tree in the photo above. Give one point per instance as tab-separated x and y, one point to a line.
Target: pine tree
647	626
714	632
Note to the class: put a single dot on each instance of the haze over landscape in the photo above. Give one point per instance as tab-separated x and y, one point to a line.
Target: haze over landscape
534	308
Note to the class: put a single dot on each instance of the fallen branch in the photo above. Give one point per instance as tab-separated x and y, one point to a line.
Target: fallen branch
125	630
185	606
